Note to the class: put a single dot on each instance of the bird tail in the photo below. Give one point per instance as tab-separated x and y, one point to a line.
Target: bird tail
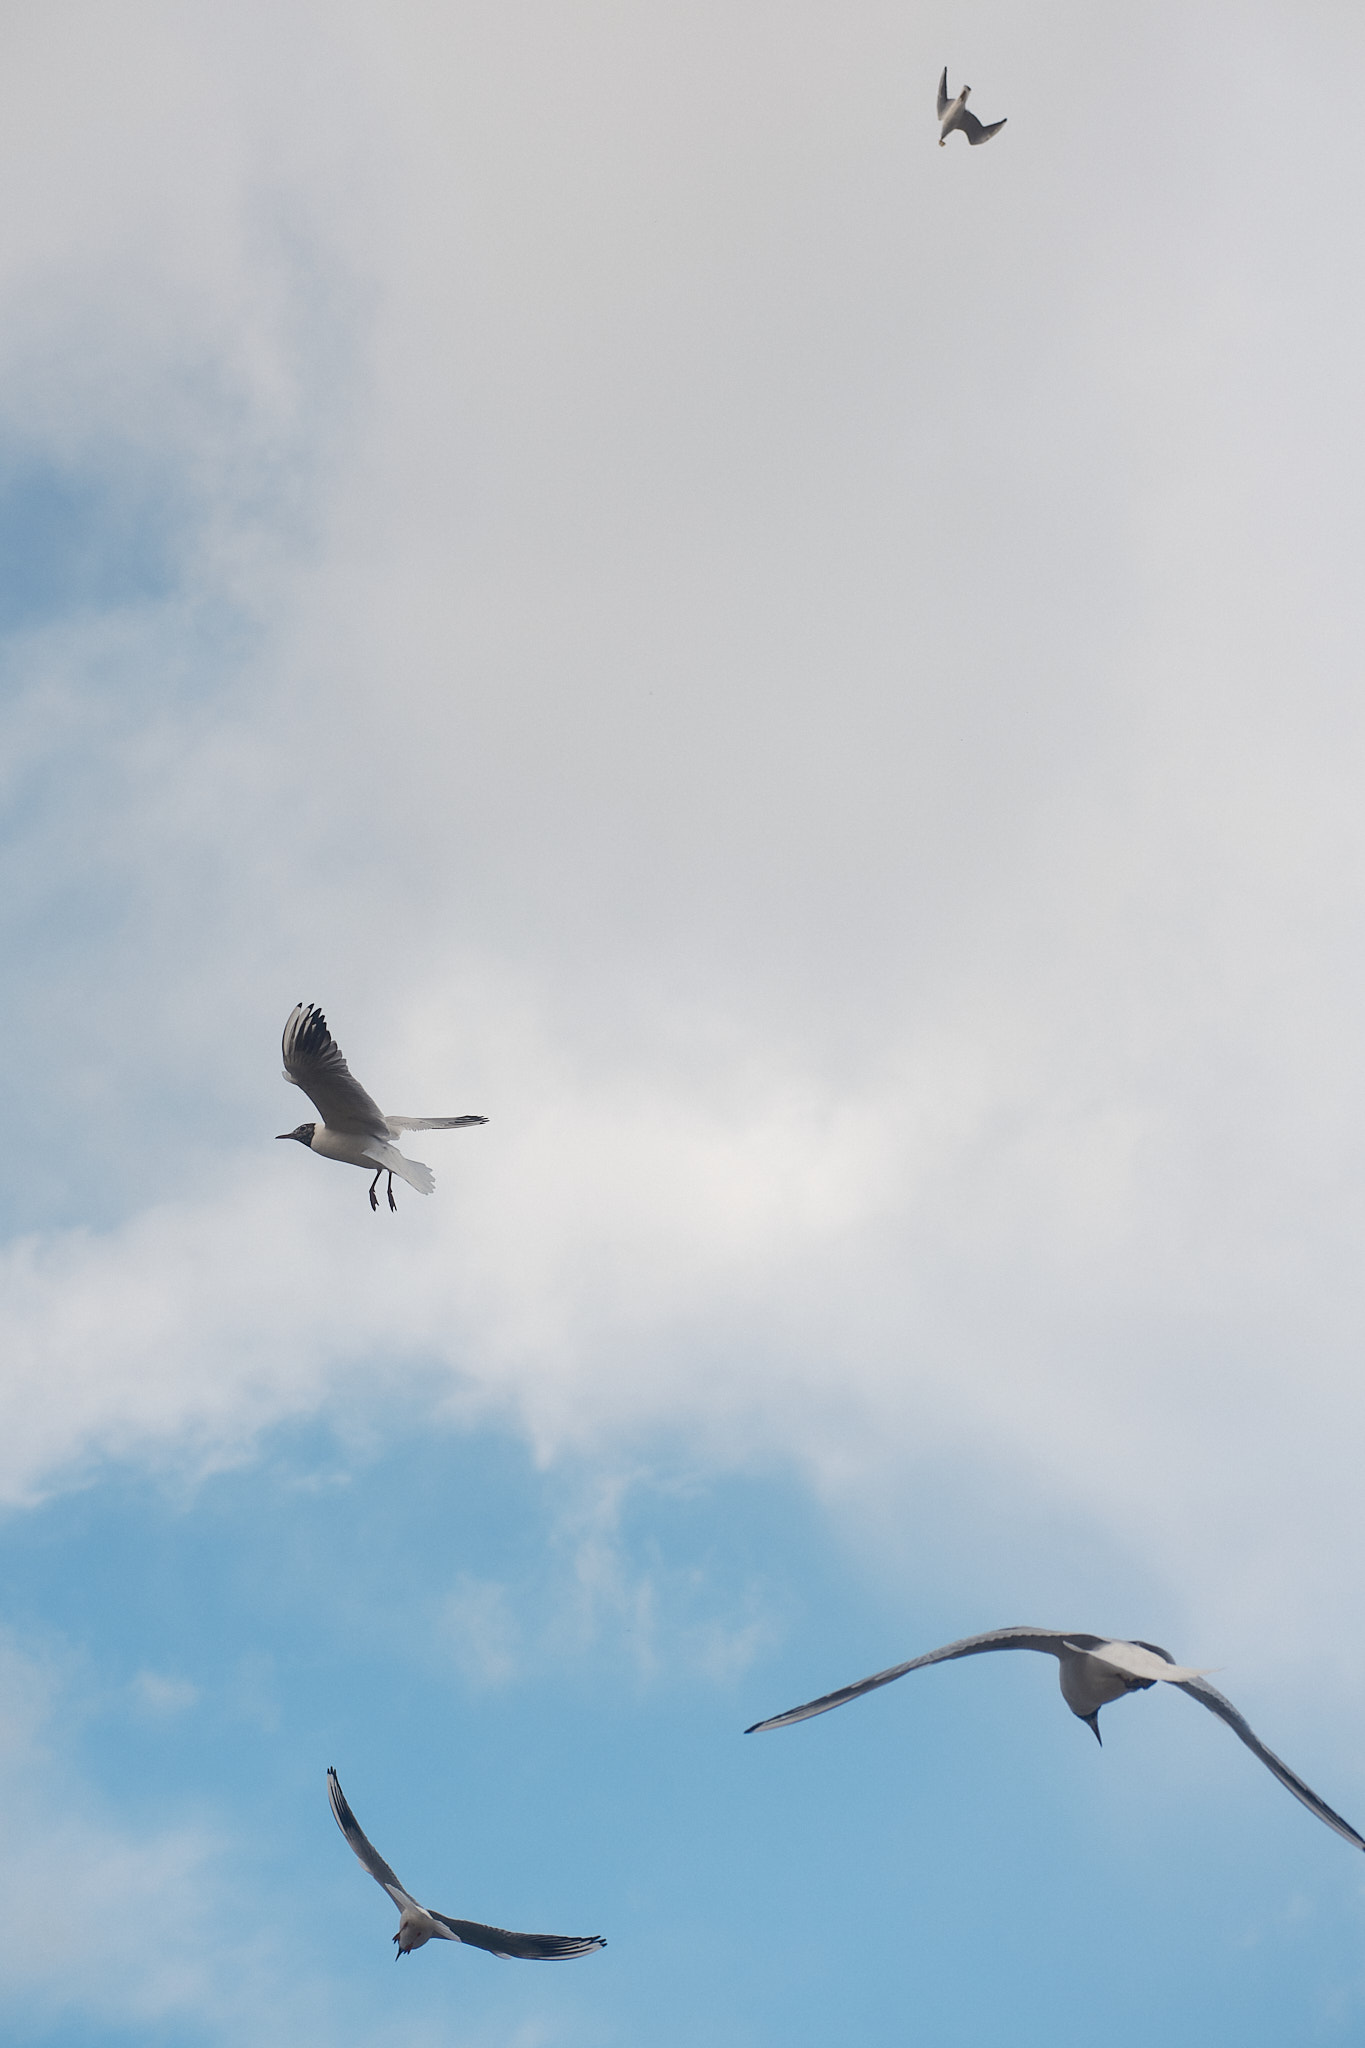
411	1170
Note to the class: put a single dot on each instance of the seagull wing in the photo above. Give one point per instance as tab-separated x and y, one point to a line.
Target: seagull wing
430	1123
526	1948
974	130
313	1062
1143	1661
364	1848
1209	1696
970	1646
943	100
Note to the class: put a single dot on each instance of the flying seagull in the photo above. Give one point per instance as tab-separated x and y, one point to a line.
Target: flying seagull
953	114
418	1926
1094	1670
353	1127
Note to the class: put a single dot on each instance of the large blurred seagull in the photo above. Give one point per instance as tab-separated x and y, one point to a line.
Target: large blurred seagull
1093	1671
417	1926
953	114
353	1127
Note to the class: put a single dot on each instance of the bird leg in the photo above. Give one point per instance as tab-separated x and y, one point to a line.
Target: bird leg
374	1199
392	1204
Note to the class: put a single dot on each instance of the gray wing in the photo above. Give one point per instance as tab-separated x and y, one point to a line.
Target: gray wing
364	1848
1210	1697
313	1062
943	100
1046	1639
430	1123
974	130
526	1948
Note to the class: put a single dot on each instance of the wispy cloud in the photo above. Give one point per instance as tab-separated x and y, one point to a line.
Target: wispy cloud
483	1633
147	1930
161	1695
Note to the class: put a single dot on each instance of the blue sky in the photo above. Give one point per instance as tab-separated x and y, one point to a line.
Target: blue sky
931	1860
815	681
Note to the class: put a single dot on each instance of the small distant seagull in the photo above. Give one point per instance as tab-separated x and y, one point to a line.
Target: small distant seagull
417	1926
953	114
1094	1671
353	1128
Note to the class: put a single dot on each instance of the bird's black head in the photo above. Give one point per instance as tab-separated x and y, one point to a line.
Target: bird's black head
304	1134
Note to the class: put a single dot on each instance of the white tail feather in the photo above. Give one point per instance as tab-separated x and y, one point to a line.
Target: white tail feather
411	1170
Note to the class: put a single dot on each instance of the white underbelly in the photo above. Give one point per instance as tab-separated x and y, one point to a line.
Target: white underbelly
1088	1684
350	1149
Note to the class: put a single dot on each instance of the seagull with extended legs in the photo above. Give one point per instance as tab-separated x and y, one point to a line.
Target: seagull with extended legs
353	1129
953	114
417	1926
1093	1671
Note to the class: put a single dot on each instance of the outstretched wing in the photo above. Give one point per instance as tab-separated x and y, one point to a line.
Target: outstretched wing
526	1948
975	131
970	1646
943	100
1210	1697
313	1062
364	1848
430	1123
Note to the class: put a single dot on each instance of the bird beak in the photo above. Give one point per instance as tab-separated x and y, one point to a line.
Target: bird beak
1092	1721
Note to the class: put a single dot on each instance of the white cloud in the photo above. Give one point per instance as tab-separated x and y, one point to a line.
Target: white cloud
995	1263
793	697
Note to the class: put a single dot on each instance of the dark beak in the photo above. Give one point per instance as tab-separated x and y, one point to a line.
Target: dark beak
1092	1722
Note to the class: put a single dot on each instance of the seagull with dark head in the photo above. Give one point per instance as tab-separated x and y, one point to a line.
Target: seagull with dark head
953	114
353	1129
1093	1670
417	1926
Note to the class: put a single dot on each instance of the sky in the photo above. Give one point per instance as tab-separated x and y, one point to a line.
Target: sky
814	681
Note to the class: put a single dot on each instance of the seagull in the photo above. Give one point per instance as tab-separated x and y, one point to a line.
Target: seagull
353	1128
953	114
1093	1671
418	1926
